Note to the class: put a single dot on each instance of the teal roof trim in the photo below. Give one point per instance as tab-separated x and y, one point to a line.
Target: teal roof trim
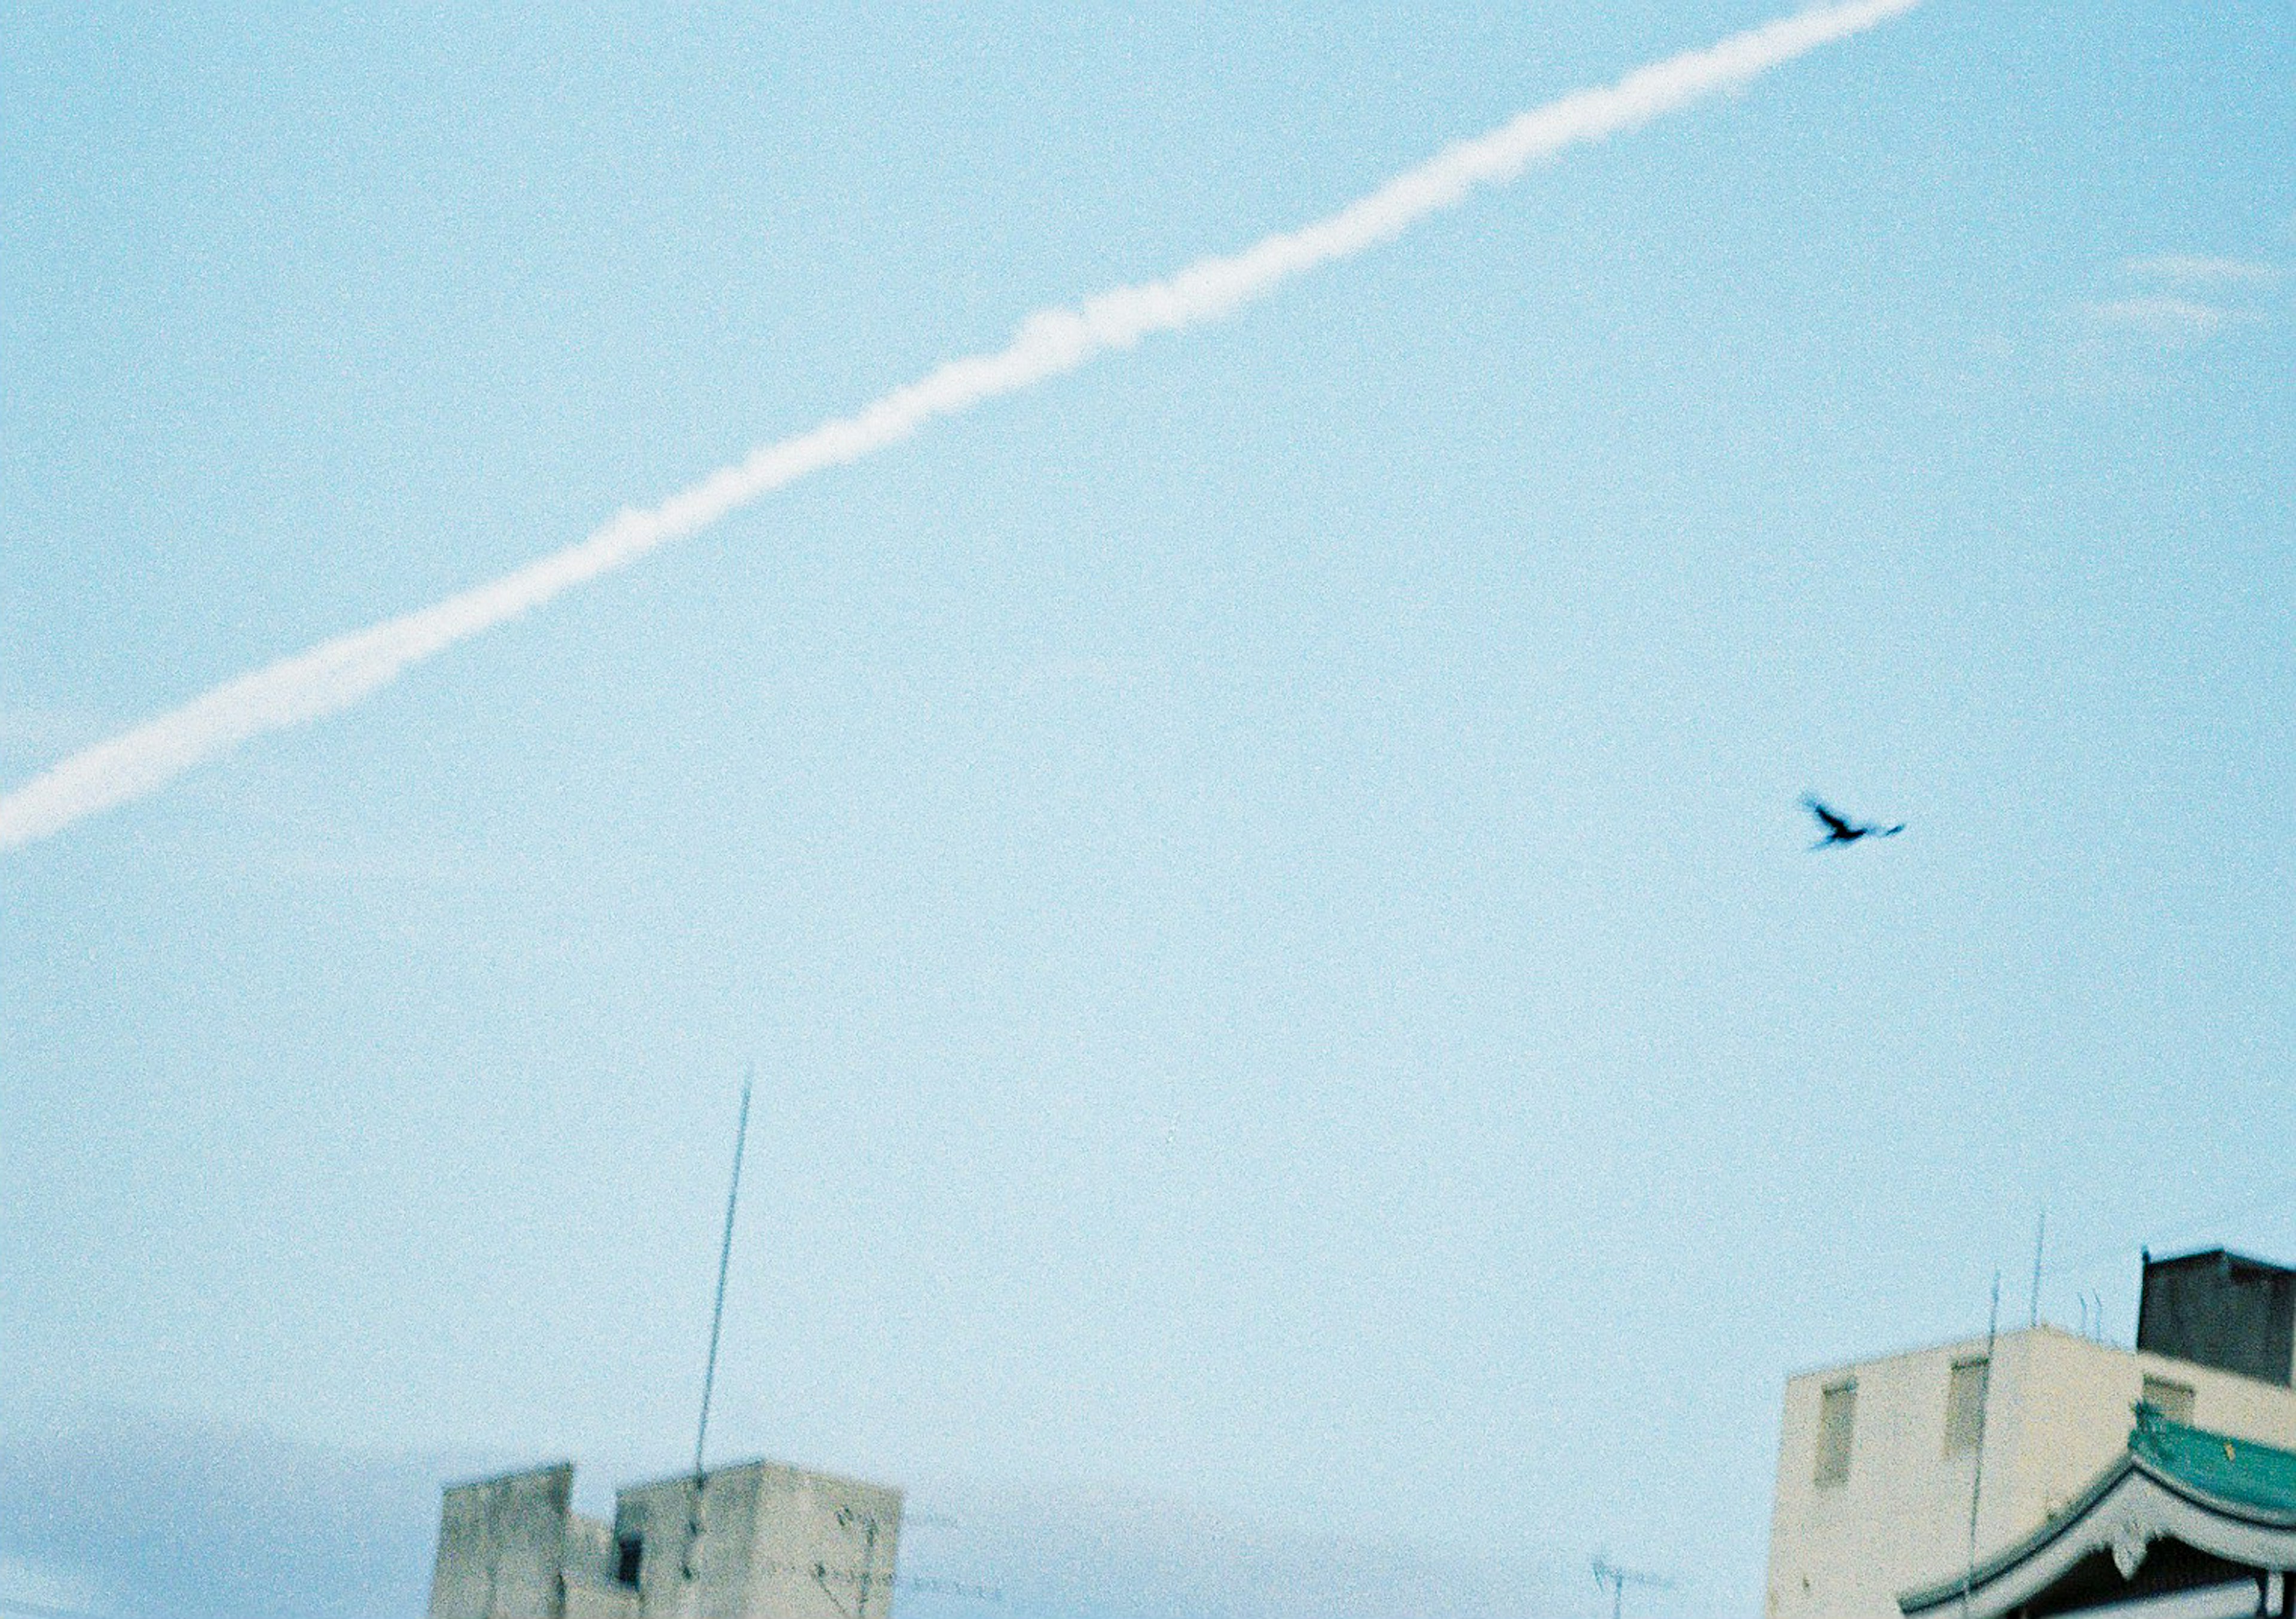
2237	1475
2220	1467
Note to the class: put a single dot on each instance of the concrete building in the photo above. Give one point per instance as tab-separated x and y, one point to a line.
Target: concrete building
1877	1460
2184	1524
757	1540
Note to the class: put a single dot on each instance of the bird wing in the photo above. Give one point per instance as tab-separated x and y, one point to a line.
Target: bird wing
1834	822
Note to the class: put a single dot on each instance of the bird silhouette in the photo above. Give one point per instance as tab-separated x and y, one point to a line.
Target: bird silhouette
1840	830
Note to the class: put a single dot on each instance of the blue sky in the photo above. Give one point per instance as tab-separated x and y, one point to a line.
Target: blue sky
1262	881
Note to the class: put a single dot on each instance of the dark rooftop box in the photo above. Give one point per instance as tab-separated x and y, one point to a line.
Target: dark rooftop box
2219	1309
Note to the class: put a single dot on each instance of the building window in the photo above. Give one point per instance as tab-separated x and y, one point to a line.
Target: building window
1837	1416
2173	1401
630	1553
1965	1405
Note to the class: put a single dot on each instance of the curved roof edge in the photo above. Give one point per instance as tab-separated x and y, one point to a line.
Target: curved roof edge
2193	1476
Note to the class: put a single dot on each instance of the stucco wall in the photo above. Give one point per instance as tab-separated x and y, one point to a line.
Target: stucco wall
756	1541
501	1547
697	1542
1831	1555
848	1528
2057	1413
602	1602
764	1531
588	1554
2079	1419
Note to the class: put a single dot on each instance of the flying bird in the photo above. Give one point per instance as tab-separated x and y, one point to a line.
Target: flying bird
1840	830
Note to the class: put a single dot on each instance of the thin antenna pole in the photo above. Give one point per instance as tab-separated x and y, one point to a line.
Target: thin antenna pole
725	1259
1977	1468
2040	1240
1607	1573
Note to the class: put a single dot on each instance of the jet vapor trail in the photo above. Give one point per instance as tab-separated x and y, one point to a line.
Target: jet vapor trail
338	673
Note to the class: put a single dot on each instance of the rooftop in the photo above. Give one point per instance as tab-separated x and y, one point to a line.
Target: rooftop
2237	1472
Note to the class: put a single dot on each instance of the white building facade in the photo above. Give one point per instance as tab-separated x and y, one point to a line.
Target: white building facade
1879	1460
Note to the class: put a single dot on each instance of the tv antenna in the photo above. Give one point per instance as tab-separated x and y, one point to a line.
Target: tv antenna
1607	1573
716	1322
724	1260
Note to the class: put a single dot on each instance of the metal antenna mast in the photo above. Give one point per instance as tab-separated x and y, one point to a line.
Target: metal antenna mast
725	1259
1977	1464
1607	1573
2040	1242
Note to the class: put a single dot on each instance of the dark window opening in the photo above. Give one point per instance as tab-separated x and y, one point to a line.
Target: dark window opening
1964	1406
1837	1419
2173	1401
630	1552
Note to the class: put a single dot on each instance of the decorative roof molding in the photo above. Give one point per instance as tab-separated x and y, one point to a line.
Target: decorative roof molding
2131	1540
2168	1484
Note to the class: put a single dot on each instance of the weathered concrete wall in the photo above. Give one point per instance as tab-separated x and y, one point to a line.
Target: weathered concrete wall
501	1547
2080	1420
609	1601
763	1541
825	1546
2057	1412
697	1539
592	1590
754	1542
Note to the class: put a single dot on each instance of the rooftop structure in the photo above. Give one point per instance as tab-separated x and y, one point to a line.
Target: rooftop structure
2184	1524
757	1540
2222	1310
1879	1460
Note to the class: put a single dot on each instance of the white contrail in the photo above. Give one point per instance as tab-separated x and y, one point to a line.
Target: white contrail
338	673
